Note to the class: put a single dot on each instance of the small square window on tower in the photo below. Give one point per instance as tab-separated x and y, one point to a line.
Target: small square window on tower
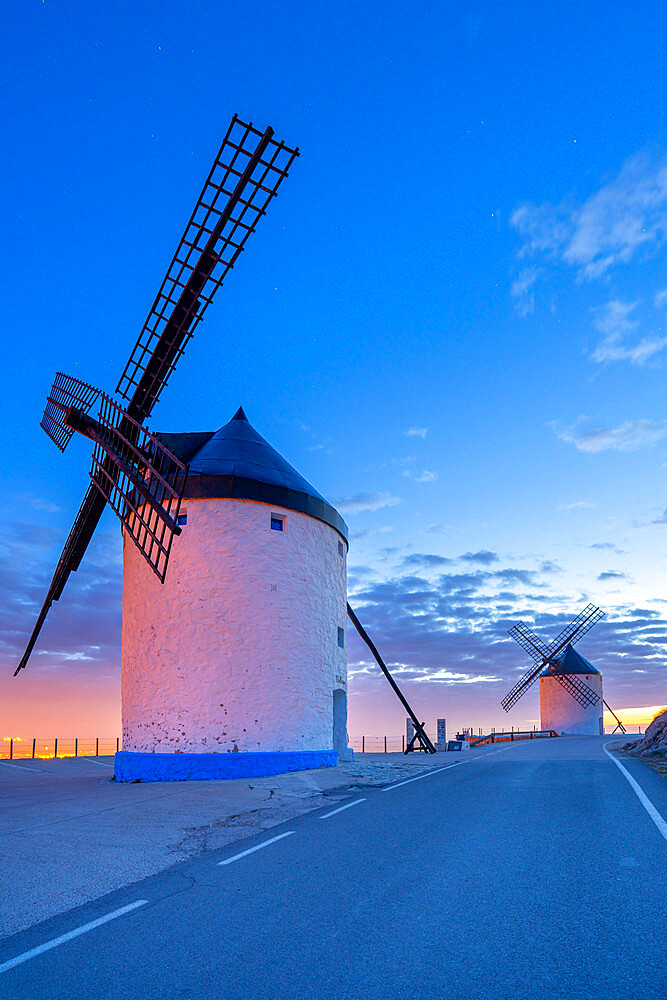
181	520
277	522
341	549
341	638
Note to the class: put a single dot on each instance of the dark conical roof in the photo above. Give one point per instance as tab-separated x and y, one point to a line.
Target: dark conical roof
571	662
236	461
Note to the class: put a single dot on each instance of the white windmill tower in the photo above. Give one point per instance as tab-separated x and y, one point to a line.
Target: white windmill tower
242	649
571	701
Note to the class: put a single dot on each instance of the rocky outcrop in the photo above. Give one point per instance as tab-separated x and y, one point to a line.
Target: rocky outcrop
654	740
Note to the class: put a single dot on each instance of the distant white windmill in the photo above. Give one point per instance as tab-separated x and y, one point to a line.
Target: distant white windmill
571	698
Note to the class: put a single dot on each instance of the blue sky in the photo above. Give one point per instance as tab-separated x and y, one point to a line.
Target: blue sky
453	322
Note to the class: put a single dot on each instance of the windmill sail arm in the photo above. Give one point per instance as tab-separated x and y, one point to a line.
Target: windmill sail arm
245	177
66	392
529	641
77	542
579	690
521	686
141	480
585	621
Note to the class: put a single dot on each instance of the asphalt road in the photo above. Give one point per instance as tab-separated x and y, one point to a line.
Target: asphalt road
527	870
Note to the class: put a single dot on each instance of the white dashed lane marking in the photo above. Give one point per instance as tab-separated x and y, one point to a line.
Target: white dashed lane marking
341	808
24	767
48	945
251	850
437	770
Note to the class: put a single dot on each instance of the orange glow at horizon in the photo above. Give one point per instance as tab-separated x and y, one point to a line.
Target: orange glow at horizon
634	716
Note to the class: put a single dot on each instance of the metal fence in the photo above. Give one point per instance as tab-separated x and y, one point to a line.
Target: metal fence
396	744
101	746
21	749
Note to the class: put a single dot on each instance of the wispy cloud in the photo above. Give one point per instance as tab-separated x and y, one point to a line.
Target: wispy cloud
361	502
629	436
575	505
425	476
660	299
616	322
417	432
45	505
484	557
422	560
521	290
444	676
611	574
626	214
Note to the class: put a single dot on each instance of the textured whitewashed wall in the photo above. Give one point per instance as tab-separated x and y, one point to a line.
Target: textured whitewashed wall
238	649
559	710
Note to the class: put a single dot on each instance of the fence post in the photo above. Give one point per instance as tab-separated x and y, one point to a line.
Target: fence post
403	739
97	746
385	744
55	747
363	744
117	744
76	746
33	747
11	749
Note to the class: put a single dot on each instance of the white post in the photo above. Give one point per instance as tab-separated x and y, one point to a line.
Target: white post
441	742
409	731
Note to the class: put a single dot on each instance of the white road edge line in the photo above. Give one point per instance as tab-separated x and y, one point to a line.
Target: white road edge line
251	850
437	770
27	955
24	767
341	808
91	760
646	802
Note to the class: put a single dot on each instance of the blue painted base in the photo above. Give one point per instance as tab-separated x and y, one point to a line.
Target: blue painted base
221	766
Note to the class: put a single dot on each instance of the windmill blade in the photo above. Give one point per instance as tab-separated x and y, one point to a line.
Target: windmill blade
522	686
245	176
529	641
65	393
579	690
577	627
80	534
140	479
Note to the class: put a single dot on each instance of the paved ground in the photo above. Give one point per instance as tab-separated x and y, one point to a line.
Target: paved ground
68	833
528	870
